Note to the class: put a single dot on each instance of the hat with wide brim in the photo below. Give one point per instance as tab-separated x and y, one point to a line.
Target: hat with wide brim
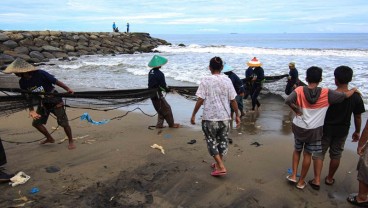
19	66
254	62
157	61
292	64
227	68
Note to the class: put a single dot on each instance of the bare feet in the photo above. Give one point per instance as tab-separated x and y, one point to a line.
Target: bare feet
71	146
47	141
175	125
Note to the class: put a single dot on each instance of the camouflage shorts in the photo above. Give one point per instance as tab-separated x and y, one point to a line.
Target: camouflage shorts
216	133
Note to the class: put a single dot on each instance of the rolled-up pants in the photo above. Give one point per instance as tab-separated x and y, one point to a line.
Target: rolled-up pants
164	112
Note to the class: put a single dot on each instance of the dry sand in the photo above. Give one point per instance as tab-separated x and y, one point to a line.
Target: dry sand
114	165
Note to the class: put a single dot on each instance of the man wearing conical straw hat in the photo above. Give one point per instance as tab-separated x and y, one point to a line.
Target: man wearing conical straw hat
257	80
156	80
35	80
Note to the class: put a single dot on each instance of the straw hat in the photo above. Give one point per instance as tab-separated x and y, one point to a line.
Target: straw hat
292	64
227	68
19	66
157	61
254	62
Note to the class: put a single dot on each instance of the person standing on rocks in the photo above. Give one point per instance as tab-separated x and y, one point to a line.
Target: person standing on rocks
35	80
128	27
156	80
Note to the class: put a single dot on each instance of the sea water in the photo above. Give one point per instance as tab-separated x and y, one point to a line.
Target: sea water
188	64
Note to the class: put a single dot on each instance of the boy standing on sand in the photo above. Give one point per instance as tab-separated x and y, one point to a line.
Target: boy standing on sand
361	199
216	92
34	80
310	103
336	127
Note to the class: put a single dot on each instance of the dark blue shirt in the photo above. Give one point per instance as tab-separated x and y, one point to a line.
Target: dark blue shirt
293	76
237	83
259	73
249	73
40	81
156	79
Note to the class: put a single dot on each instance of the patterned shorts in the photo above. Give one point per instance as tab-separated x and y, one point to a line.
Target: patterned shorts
216	133
314	147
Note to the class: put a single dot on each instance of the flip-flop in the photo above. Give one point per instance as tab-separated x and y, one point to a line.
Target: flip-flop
314	186
288	177
301	187
218	173
353	200
192	141
329	183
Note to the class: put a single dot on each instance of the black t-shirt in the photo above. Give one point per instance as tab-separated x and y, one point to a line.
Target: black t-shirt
337	121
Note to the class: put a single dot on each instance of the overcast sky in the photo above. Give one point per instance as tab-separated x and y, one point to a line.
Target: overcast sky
187	16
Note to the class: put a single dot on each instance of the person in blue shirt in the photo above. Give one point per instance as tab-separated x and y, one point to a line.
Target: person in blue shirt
35	80
128	27
248	82
257	81
156	80
238	86
293	79
113	27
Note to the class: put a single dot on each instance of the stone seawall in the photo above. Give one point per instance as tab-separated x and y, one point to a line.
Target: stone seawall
40	46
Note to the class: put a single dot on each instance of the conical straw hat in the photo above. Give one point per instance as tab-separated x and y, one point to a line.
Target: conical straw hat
19	66
227	68
254	62
157	61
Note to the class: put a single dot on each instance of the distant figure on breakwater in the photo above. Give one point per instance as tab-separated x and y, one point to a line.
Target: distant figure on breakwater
128	27
113	27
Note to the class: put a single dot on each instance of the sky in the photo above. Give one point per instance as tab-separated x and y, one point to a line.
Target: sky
187	16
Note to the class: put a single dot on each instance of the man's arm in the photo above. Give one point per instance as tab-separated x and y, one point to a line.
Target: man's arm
290	101
363	139
66	88
357	124
195	110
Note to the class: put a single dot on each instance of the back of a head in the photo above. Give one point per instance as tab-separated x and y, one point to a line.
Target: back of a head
216	64
343	74
314	74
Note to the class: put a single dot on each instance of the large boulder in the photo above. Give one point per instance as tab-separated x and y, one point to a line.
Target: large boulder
37	55
5	58
3	37
10	44
21	49
51	48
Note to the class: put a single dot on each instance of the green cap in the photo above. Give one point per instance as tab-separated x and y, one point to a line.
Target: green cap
157	61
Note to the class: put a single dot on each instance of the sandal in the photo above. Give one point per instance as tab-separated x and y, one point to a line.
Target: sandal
301	187
218	173
314	186
290	179
353	200
329	183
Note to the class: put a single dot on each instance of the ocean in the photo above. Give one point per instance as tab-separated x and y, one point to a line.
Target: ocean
188	64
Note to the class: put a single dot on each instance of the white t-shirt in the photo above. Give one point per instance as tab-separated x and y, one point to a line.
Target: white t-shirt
216	91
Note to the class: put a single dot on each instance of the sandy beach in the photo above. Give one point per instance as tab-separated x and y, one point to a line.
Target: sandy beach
114	165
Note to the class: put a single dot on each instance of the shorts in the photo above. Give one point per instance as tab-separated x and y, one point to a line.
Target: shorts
363	167
311	147
336	146
59	112
216	133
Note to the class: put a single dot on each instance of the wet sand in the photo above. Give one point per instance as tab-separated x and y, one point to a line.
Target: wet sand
114	165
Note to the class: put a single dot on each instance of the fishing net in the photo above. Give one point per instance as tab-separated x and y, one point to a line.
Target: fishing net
13	100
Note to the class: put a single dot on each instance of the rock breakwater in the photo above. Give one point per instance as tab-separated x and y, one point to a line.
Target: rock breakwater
41	46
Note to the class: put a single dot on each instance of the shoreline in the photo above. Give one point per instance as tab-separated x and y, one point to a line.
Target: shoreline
114	166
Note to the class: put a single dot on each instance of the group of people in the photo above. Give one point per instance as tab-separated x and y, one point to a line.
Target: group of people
116	29
321	124
322	119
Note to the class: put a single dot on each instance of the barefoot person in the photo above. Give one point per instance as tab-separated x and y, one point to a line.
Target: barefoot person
216	92
361	200
156	80
35	80
257	82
